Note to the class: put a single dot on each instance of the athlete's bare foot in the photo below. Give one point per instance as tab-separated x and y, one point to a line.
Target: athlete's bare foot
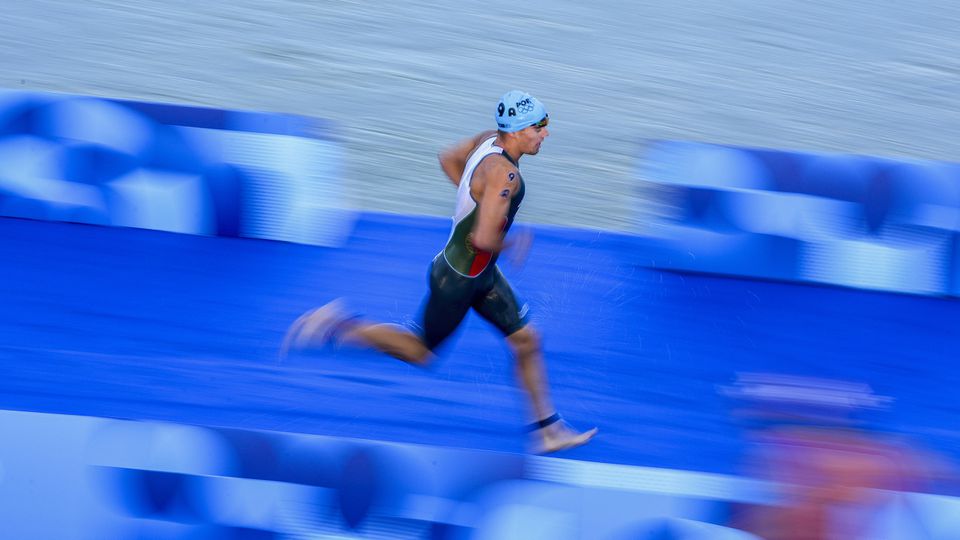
554	434
316	328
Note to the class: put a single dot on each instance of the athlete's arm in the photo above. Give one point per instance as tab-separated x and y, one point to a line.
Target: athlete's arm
454	159
498	180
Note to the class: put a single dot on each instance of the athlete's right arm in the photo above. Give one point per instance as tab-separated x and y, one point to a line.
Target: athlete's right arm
497	180
454	159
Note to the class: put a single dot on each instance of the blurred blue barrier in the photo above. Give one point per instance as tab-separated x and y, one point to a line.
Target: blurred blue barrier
844	220
76	477
171	168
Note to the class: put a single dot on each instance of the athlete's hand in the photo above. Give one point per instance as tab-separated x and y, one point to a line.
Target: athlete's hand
518	246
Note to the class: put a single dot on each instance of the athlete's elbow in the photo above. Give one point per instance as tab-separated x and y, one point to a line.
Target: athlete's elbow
450	168
447	158
487	243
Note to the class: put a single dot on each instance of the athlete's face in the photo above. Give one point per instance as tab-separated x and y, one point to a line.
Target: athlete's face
532	137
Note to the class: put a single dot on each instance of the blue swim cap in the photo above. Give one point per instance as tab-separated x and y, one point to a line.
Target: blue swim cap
517	110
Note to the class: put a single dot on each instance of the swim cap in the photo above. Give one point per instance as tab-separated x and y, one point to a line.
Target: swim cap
517	110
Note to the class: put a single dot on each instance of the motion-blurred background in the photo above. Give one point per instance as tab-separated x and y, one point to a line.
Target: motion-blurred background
745	269
402	79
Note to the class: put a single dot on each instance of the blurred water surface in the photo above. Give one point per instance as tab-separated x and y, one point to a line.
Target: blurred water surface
405	78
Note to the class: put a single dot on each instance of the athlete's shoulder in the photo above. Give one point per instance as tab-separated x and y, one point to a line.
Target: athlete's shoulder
497	163
498	172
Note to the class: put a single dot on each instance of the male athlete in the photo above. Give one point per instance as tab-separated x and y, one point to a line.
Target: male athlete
464	274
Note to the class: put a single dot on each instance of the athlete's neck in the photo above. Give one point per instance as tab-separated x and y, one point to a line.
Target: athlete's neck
508	152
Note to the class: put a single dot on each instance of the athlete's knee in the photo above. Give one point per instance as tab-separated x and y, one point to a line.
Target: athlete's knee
525	341
416	351
394	340
420	357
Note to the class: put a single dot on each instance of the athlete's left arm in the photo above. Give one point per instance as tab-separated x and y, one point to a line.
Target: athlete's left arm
454	159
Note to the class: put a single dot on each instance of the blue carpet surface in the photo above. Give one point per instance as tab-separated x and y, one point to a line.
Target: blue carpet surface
149	325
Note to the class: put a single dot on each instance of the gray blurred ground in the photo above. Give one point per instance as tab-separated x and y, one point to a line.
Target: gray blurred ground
404	78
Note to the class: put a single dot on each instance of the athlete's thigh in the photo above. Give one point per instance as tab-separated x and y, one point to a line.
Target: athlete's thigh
498	304
446	304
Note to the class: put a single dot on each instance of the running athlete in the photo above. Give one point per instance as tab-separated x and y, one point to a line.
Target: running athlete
464	274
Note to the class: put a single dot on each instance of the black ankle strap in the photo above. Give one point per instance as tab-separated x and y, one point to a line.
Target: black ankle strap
540	424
